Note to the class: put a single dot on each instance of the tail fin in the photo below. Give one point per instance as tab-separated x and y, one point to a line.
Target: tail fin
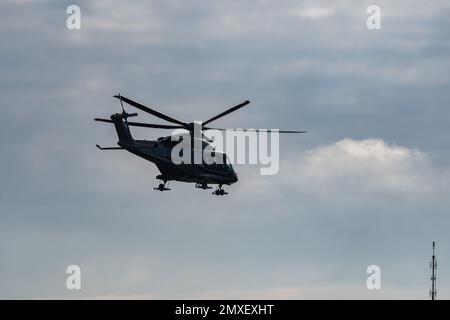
123	131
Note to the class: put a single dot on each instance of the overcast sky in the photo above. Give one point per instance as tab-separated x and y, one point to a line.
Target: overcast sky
369	184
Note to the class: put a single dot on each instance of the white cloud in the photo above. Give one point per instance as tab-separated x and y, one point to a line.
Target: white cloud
314	12
362	168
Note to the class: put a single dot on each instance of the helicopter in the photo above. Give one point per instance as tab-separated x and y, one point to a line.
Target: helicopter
159	151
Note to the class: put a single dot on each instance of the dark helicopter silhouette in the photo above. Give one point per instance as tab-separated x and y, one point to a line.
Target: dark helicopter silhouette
159	151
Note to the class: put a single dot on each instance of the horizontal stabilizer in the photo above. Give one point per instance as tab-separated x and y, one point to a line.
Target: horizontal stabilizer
109	148
104	120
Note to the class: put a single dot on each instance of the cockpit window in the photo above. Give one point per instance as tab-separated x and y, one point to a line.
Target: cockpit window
226	161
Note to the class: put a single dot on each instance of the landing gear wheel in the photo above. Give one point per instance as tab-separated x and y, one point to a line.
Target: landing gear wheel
162	186
219	191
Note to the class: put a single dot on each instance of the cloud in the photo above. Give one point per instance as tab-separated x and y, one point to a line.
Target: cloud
365	165
314	12
350	177
340	202
352	174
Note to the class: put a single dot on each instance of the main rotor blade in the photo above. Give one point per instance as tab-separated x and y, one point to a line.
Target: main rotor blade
145	125
151	125
151	111
227	112
255	130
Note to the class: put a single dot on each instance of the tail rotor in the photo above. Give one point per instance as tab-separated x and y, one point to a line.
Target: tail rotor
125	115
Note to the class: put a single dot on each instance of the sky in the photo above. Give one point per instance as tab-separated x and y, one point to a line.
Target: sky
367	185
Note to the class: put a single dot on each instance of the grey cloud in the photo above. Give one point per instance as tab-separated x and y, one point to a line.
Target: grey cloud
63	202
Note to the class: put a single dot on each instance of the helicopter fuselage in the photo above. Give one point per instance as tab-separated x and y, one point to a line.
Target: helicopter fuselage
160	153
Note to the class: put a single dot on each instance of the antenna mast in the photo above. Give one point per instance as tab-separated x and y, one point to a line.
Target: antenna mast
433	266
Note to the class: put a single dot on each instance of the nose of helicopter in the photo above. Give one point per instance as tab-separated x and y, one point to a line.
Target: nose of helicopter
235	177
